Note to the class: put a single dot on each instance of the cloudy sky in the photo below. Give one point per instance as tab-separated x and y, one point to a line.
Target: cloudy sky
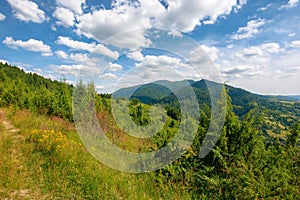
252	44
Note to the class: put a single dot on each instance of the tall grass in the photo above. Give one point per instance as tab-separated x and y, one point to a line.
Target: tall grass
47	161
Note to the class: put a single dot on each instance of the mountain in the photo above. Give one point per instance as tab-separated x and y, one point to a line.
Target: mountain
278	112
152	92
158	92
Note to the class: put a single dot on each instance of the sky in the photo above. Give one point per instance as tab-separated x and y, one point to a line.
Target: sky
254	45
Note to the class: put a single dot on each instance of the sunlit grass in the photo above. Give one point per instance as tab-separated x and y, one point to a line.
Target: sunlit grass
49	161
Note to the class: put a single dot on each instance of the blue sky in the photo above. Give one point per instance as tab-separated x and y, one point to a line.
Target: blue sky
252	44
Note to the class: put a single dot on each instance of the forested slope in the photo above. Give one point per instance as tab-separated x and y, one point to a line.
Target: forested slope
244	164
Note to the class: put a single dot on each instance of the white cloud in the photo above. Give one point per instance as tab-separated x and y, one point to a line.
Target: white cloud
265	7
208	22
2	17
38	70
109	76
175	33
4	61
74	70
53	28
90	47
26	10
295	44
181	15
203	58
135	55
77	57
212	52
265	68
262	50
77	45
102	24
62	54
65	16
237	70
100	87
103	50
250	30
185	15
132	40
290	4
74	5
77	70
150	61
115	67
30	45
292	34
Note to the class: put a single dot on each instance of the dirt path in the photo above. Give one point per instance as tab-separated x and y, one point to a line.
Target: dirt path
16	156
7	126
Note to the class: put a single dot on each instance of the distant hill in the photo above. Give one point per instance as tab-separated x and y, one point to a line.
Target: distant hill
158	92
31	91
278	112
292	98
152	92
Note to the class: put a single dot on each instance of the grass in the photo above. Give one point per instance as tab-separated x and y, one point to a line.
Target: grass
32	167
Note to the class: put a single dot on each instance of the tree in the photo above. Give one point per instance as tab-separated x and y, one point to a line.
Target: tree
293	138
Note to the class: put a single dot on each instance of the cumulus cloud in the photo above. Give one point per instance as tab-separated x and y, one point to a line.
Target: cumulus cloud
2	17
175	33
102	24
236	70
81	70
203	59
250	30
150	61
62	54
135	55
186	15
30	45
211	52
77	45
65	16
90	47
295	44
74	70
255	57
261	50
26	10
178	15
77	57
290	4
74	5
261	68
109	76
115	67
103	50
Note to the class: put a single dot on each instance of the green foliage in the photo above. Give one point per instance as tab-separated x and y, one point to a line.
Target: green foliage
34	92
246	162
294	138
240	166
43	96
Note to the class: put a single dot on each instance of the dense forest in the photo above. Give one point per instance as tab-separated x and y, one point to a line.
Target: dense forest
249	160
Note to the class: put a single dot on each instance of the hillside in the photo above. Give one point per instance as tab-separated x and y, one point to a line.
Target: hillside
279	112
43	156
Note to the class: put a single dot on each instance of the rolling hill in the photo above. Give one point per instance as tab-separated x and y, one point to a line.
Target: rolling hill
278	112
